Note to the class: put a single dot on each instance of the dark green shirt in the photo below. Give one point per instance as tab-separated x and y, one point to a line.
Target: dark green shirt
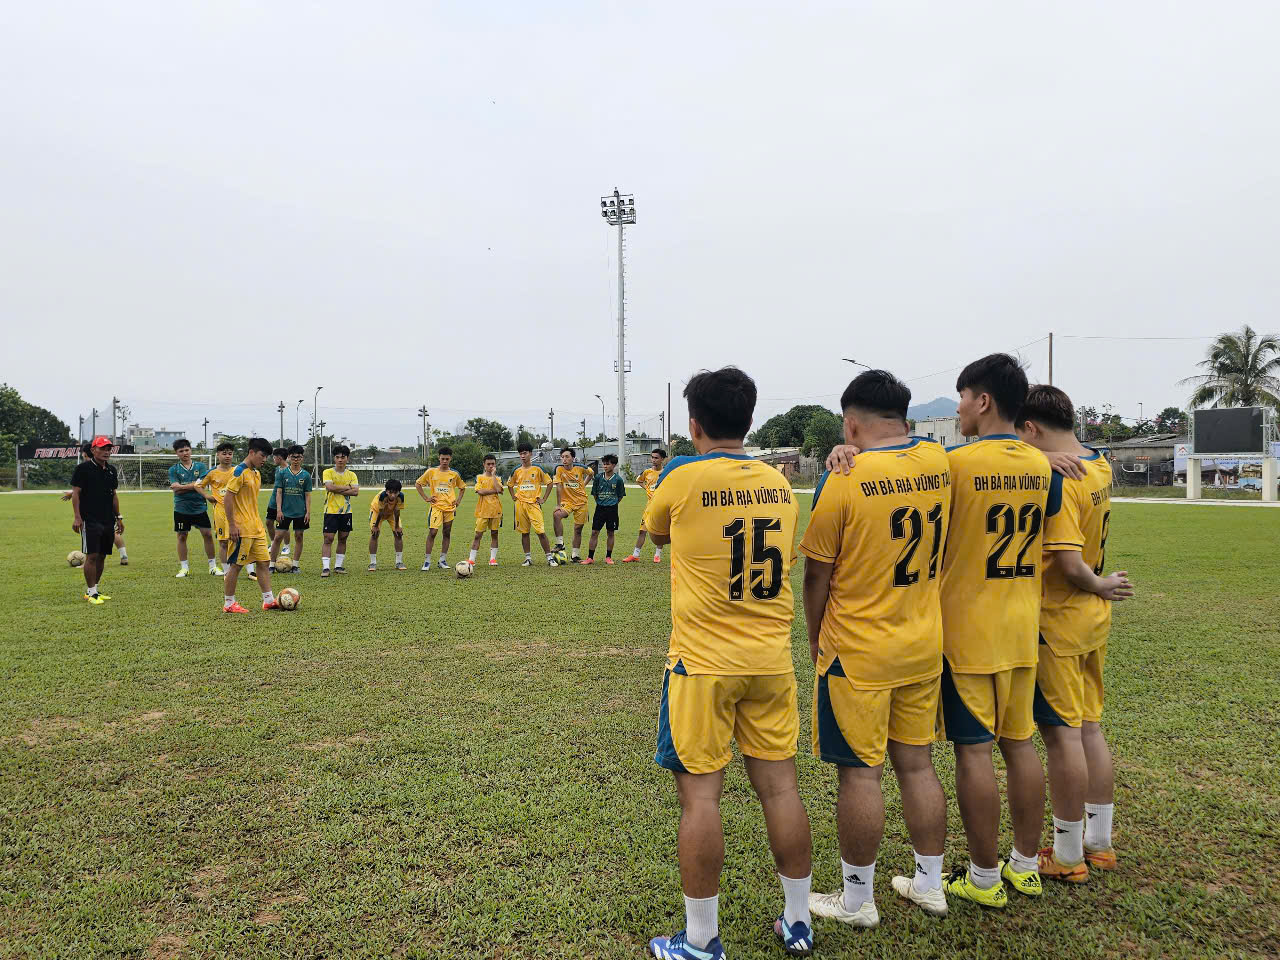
608	490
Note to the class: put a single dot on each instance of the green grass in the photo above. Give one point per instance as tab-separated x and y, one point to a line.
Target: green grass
411	765
1180	493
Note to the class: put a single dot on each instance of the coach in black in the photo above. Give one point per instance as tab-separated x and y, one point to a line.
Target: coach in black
97	512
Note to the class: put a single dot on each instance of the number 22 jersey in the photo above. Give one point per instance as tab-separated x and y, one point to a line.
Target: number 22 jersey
732	522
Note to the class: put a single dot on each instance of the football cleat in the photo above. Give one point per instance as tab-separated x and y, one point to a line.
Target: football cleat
493	562
678	948
551	561
271	605
96	601
631	558
1026	882
1055	869
253	574
182	572
373	568
103	596
657	559
124	561
339	569
527	562
797	938
609	561
959	885
932	902
831	906
588	560
235	608
217	572
1101	859
426	564
400	566
324	571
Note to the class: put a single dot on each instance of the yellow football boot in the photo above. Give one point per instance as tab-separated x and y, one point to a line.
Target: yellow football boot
959	885
1025	882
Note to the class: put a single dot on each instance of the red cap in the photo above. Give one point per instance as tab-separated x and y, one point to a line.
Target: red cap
101	442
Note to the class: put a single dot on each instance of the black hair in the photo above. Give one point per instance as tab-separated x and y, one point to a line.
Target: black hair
86	449
445	452
227	445
341	448
722	401
999	375
280	452
1049	407
610	458
569	450
660	452
490	456
878	392
393	485
257	443
180	443
524	448
296	449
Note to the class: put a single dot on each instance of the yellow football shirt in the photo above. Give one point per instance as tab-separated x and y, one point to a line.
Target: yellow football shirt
732	522
488	508
386	505
338	502
991	567
243	486
648	479
1076	621
441	484
882	528
528	482
573	485
215	481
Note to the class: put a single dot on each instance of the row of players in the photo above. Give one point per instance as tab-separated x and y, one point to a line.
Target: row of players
947	593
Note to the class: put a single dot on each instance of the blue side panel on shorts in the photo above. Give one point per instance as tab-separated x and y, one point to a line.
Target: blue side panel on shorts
233	555
1045	714
666	755
832	746
962	726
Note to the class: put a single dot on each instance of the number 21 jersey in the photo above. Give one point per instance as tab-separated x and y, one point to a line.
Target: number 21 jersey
991	571
732	522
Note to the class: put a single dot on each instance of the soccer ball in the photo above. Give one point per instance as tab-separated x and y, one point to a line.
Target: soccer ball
289	598
75	558
284	564
463	569
561	557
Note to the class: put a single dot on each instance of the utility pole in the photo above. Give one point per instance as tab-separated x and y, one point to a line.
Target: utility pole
95	421
1051	358
115	405
206	434
582	434
552	416
662	425
81	434
618	211
280	410
320	441
422	412
297	422
315	420
668	415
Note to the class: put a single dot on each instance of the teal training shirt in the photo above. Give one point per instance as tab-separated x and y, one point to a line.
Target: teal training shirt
191	501
608	490
295	486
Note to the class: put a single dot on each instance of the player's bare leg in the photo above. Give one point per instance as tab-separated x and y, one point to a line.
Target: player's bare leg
591	546
557	522
635	554
1099	798
546	547
1025	784
924	812
120	548
297	546
446	534
340	552
182	547
978	797
431	542
373	548
207	536
493	548
701	835
397	537
1068	784
280	537
92	570
786	821
326	550
577	538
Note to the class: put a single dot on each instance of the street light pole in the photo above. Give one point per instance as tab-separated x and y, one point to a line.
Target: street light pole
297	421
604	434
206	434
115	405
315	420
618	211
422	412
280	410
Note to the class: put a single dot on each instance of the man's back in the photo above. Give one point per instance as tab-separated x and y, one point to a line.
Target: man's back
732	523
1075	621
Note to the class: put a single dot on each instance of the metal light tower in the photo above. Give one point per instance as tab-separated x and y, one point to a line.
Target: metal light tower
619	210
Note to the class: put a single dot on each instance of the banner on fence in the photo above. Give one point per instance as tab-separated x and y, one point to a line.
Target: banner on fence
57	451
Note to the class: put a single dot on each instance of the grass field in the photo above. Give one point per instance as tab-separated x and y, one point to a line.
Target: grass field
416	766
1180	493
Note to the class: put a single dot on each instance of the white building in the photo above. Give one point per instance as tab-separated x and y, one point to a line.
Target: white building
946	430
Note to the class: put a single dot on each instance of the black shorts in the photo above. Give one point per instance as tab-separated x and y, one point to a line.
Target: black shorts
97	537
271	514
182	522
298	523
606	517
337	523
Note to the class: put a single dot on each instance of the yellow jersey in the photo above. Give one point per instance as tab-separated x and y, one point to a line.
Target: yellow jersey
528	482
574	484
338	502
215	481
732	522
243	486
1076	621
991	567
386	506
648	479
882	528
441	484
488	508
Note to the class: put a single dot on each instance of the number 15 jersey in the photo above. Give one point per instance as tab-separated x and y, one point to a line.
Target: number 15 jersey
732	522
991	570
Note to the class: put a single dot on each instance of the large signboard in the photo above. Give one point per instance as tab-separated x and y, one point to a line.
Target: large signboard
1233	430
1232	473
57	451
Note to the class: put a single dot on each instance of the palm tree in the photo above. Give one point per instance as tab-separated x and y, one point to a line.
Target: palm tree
1242	370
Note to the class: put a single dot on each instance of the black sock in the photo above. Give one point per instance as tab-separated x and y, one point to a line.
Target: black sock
591	554
608	552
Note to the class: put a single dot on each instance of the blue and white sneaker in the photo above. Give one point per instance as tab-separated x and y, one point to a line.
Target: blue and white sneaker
677	948
797	939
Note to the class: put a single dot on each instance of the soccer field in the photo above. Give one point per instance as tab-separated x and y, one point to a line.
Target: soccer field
413	765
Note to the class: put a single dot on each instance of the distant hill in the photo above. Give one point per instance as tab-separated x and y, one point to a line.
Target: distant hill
938	407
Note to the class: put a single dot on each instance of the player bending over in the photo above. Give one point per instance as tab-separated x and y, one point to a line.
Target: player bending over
529	487
1075	619
488	509
608	490
571	500
189	510
648	480
436	486
244	527
292	498
340	486
729	671
95	507
386	507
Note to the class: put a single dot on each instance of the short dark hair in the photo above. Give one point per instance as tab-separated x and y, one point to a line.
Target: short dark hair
393	485
258	443
524	448
444	452
660	452
341	448
296	449
878	392
281	452
180	443
1001	376
227	445
569	450
610	458
1049	407
490	456
722	401
86	449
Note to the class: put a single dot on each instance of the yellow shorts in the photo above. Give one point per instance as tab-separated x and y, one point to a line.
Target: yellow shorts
220	523
701	716
438	518
529	517
487	523
375	522
579	513
981	707
246	550
1069	689
853	727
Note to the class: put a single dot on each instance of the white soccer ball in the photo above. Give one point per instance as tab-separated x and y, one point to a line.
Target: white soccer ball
289	598
463	569
284	564
75	558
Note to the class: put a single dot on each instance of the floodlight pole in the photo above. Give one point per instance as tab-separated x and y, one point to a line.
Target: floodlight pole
206	434
82	429
95	422
115	405
315	421
297	420
280	410
604	435
619	211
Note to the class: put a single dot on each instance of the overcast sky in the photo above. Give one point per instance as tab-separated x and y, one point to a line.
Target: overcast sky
209	208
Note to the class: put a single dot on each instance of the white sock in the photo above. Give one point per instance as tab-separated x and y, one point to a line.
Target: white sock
252	568
324	563
928	872
657	554
702	920
493	553
795	895
284	551
559	542
1068	840
92	591
399	556
984	878
228	601
1097	831
528	556
858	882
1022	863
268	596
184	564
472	556
373	559
444	560
339	558
577	553
213	564
124	554
636	553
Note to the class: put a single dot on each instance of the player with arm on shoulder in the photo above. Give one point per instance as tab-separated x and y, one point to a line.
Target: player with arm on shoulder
292	498
731	522
386	508
608	490
212	484
572	481
443	488
189	511
340	484
648	479
244	527
530	487
488	509
1075	620
874	618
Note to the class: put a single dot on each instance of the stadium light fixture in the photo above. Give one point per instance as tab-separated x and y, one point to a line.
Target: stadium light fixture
618	211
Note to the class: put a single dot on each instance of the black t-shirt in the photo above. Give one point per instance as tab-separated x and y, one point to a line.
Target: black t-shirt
97	486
